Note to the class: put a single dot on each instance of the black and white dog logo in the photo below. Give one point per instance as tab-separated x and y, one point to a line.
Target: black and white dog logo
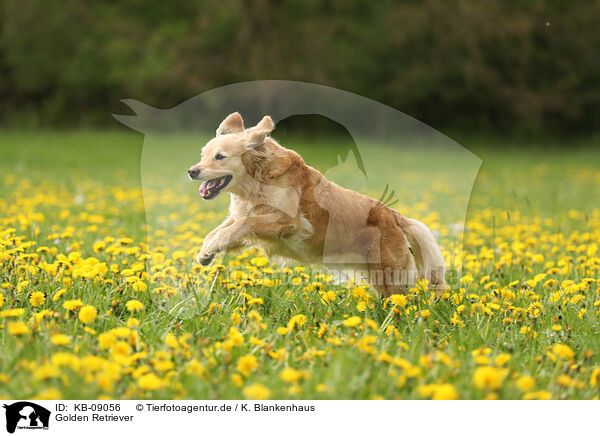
26	415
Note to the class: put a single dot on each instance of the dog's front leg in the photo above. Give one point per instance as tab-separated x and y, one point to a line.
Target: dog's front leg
201	258
228	221
269	225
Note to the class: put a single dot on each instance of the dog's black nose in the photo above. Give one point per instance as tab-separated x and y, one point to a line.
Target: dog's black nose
193	172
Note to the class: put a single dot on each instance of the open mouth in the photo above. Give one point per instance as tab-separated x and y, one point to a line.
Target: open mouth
211	188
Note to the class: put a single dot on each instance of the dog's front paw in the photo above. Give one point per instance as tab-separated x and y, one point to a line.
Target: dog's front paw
205	258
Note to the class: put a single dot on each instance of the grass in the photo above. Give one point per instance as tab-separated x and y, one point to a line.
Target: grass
98	303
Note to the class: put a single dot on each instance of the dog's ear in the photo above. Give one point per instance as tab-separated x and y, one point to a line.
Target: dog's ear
265	124
268	163
278	163
255	137
232	124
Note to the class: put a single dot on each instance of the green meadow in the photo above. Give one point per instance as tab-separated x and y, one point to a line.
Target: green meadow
100	296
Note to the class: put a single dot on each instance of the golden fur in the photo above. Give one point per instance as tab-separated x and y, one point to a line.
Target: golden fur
292	211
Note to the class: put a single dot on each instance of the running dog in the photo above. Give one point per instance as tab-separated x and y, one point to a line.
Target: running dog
291	211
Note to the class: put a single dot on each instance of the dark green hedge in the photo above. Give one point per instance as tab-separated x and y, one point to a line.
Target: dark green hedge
471	64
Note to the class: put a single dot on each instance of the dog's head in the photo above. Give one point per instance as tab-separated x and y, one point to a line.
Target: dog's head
223	163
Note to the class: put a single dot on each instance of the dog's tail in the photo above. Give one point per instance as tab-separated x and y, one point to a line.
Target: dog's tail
426	251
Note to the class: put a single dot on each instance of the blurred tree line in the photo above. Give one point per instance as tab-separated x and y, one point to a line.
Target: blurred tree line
521	65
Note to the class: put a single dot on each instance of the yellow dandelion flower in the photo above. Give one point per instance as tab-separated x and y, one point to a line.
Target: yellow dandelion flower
72	305
235	336
37	298
88	314
18	328
296	321
134	305
291	375
121	332
488	377
163	365
196	367
58	294
98	246
237	380
321	387
525	330
467	278
106	340
537	395
246	364
260	261
353	321
445	392
278	355
563	351
564	380
254	316
150	382
133	322
48	394
171	341
501	359
60	339
46	371
255	301
399	300
139	286
12	313
121	347
526	383
257	392
327	296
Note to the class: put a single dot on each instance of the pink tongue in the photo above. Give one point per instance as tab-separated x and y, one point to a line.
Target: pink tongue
207	186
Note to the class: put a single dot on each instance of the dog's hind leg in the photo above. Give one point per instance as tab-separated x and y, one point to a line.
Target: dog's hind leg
392	270
426	251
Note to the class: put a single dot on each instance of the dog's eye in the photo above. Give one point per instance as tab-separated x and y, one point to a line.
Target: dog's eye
219	156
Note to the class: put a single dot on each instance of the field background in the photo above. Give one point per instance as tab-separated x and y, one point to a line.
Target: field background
83	318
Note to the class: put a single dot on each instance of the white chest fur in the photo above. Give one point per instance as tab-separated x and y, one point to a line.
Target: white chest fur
285	200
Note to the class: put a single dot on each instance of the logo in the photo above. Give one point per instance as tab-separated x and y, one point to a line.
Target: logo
26	415
381	150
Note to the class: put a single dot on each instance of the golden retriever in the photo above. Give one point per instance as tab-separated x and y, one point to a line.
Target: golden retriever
292	211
